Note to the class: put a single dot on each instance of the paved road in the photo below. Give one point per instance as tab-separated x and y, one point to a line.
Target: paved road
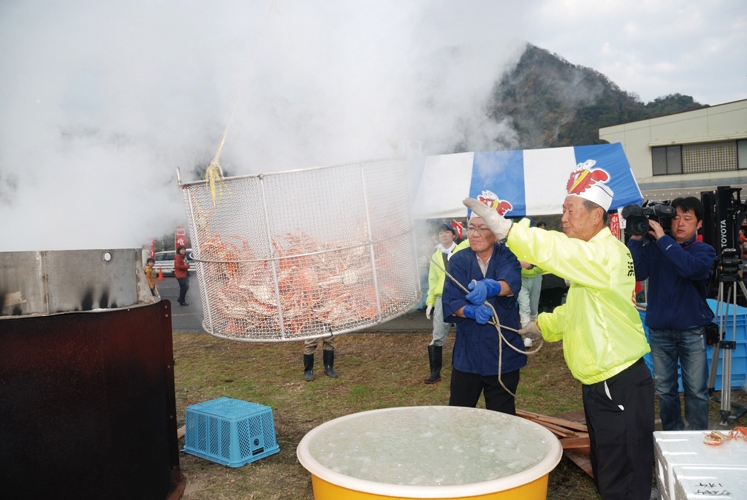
184	318
188	319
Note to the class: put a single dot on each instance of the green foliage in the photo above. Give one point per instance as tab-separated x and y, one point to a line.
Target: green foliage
553	103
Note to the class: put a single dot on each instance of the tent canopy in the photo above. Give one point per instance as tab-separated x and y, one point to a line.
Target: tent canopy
526	182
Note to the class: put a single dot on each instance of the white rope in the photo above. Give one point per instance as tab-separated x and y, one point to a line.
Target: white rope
495	322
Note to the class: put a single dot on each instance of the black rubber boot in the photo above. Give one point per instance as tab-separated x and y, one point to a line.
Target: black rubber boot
329	362
435	358
308	367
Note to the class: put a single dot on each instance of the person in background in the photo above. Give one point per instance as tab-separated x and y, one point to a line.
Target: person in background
150	276
425	249
328	357
677	268
603	338
493	273
531	286
181	273
552	292
436	276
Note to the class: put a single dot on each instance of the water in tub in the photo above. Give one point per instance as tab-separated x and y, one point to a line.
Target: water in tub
424	447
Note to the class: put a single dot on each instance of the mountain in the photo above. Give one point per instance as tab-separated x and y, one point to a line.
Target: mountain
551	102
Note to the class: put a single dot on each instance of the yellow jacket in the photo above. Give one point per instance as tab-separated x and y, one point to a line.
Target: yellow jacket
436	276
531	273
601	330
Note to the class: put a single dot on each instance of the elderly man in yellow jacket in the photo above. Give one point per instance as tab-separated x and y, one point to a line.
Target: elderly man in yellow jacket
603	339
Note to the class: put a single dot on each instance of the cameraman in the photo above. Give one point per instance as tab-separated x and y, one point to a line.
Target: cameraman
677	268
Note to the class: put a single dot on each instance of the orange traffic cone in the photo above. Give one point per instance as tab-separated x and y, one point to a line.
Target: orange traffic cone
160	274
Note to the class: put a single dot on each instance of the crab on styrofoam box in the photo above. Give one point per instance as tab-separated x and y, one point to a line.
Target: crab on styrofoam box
683	458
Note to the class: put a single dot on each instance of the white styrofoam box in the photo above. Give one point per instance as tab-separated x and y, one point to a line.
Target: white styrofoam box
713	482
687	448
663	494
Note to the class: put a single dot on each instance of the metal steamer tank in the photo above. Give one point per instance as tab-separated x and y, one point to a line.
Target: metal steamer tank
87	401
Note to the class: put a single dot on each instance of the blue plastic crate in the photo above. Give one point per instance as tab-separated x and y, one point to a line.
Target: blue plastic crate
738	356
230	432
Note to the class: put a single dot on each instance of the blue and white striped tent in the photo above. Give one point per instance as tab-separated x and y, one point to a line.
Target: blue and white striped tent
532	180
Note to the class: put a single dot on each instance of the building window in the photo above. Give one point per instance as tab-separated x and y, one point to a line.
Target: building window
699	158
742	155
709	157
667	160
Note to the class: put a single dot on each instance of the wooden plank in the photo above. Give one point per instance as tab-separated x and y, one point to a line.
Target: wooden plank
552	420
581	451
582	461
558	431
577	416
564	423
527	414
181	431
578	442
559	427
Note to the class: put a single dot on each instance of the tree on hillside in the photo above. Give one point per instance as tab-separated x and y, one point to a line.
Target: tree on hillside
551	102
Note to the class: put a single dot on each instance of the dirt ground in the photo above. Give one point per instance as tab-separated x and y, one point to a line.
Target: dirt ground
376	371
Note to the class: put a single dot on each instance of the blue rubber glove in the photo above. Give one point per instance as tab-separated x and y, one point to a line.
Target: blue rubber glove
481	290
481	313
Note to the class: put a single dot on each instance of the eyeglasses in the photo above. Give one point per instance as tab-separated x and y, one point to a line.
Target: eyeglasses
482	229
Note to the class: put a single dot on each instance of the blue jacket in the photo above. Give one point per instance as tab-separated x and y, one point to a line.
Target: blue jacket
677	280
476	346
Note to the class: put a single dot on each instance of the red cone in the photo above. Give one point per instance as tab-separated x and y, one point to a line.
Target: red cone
160	274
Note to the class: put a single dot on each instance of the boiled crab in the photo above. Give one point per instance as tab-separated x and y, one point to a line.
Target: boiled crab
715	438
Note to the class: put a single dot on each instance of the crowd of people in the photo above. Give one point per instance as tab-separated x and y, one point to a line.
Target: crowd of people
510	281
495	277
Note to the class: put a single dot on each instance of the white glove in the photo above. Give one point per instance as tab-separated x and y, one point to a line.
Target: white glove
497	223
530	331
428	312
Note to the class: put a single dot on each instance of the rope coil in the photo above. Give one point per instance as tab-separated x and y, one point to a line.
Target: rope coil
498	327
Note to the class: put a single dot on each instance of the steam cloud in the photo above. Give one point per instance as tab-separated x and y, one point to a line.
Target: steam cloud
100	101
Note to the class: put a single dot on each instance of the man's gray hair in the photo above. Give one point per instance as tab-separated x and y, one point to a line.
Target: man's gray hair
590	205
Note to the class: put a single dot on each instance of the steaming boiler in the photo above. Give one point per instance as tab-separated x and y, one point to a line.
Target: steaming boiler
87	403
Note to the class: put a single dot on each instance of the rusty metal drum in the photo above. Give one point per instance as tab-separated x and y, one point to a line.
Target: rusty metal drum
87	399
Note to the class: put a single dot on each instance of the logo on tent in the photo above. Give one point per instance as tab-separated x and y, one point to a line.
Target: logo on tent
491	199
584	177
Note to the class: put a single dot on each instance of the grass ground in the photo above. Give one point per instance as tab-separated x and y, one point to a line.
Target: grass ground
376	371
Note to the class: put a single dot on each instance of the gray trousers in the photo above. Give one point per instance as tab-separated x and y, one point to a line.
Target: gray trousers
309	346
529	295
440	329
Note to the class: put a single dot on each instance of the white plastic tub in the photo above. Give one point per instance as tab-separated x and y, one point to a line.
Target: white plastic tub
429	452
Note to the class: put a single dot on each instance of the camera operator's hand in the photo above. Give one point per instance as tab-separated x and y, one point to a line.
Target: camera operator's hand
655	229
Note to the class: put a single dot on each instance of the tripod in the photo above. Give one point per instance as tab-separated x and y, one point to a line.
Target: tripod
728	273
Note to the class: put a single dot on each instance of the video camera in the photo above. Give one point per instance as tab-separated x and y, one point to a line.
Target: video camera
637	217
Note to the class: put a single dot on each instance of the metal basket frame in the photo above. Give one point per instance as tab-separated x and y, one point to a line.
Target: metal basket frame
402	239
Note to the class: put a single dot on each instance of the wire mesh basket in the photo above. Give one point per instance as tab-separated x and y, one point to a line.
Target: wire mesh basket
303	254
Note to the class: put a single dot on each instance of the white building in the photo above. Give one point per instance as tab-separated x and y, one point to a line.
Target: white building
686	153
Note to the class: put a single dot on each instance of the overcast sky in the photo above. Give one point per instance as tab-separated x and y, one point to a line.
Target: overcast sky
649	47
100	101
652	48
